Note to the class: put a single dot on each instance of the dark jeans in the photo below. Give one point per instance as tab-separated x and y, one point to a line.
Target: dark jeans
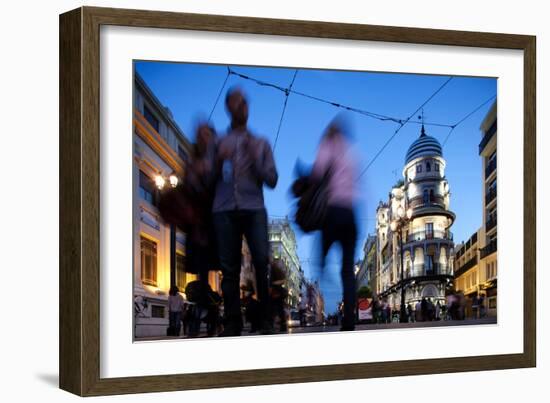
340	227
174	320
230	227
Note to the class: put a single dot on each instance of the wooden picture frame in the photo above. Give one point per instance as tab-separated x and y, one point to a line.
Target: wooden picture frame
79	201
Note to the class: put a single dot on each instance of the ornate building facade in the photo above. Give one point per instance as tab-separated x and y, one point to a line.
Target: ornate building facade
283	247
364	276
467	273
427	242
315	303
159	149
488	241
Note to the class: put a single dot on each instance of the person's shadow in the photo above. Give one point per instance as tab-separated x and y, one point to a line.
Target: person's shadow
50	379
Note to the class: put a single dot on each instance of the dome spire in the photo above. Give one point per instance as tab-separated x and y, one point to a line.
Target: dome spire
424	146
423	131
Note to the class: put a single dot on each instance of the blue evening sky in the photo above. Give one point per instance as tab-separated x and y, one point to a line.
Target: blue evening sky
190	91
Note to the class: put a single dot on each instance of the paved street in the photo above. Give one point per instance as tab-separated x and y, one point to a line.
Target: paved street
374	327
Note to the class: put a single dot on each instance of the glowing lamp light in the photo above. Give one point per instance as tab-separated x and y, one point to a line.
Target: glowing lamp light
393	225
159	181
173	181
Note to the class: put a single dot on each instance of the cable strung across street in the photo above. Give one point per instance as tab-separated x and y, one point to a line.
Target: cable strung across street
381	117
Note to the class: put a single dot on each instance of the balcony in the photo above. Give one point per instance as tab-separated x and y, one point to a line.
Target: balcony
423	235
490	223
488	136
487	250
490	168
466	266
490	195
435	269
418	202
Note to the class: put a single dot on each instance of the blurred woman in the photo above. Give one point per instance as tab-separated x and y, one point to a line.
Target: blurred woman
336	164
200	242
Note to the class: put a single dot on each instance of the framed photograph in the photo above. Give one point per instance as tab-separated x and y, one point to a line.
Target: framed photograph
249	201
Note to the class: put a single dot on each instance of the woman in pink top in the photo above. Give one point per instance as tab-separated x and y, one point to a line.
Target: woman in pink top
335	158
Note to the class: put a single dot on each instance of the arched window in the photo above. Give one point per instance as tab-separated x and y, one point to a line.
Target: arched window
429	291
428	166
418	168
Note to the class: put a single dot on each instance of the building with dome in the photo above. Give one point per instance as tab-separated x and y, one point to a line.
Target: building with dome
427	243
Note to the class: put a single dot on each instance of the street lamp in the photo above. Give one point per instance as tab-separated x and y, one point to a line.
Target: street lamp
402	219
160	182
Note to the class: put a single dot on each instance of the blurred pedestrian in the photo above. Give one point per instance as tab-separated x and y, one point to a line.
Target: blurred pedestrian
251	310
244	163
302	309
175	311
481	304
418	311
424	309
200	240
461	306
431	310
376	308
475	307
438	311
410	317
451	306
336	164
385	311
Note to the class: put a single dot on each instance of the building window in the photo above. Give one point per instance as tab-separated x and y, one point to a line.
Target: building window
491	270
418	168
182	153
151	118
436	165
148	261
428	166
492	158
157	311
428	196
429	230
147	189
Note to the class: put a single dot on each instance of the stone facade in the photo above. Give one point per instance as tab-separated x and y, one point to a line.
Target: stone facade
427	242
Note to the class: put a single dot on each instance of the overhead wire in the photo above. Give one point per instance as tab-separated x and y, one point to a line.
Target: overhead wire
466	117
381	117
219	94
287	92
401	125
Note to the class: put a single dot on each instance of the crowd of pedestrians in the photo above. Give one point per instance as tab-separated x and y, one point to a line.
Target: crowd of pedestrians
426	309
223	203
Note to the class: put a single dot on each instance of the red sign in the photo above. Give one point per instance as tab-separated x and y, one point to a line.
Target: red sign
365	308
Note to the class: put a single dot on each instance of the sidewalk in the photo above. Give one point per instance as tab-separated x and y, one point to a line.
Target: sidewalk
374	327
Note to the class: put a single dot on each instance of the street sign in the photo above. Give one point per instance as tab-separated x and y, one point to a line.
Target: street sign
364	306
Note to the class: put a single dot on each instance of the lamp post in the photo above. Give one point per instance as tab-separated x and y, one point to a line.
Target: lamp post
397	225
160	182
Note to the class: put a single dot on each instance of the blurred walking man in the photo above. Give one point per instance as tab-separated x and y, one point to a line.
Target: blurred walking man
245	163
